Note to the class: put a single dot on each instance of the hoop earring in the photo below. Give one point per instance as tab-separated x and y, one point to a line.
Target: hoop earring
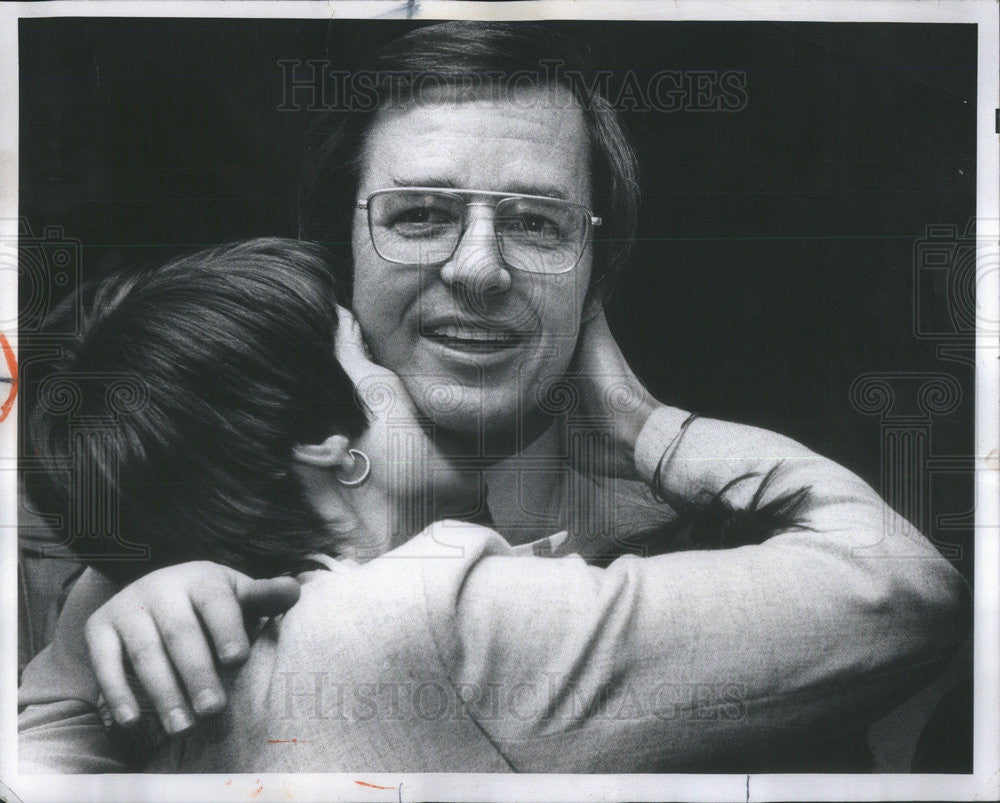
357	454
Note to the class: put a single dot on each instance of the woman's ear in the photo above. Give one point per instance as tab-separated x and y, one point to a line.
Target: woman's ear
331	453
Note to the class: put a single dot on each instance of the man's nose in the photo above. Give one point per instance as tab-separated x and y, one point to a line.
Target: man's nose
476	263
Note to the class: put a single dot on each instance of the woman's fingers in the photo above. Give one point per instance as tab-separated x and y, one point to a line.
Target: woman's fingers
350	346
608	388
189	651
107	658
270	597
377	387
219	609
598	351
148	657
224	608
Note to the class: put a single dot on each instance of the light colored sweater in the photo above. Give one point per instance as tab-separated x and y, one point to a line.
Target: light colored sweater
451	653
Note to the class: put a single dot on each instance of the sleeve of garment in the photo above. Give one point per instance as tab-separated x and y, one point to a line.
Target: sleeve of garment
691	660
351	679
59	727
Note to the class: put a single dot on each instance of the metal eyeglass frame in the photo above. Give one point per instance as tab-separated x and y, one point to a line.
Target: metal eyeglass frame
592	220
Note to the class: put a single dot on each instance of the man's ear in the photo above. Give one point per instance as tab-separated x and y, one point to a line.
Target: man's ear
331	453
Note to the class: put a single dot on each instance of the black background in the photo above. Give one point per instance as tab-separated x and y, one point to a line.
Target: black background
775	260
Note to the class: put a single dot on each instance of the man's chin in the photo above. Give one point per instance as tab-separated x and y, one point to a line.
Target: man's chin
481	423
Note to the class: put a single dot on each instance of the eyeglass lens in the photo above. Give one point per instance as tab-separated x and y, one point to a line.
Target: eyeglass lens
533	234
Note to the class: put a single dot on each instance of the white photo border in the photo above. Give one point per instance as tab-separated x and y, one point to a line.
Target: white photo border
983	783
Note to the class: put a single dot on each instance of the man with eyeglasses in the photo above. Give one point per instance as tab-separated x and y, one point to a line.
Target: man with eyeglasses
472	257
478	221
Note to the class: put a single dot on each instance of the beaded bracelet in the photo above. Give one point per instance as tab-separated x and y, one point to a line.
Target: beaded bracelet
658	495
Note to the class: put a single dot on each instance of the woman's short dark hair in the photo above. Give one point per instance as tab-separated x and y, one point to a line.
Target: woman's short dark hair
205	372
479	59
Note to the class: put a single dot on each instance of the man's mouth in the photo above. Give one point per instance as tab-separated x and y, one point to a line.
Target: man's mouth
472	338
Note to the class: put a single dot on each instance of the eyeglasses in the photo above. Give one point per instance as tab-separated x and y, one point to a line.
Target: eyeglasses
424	225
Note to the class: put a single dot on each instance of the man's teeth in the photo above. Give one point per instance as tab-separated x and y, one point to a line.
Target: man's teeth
463	333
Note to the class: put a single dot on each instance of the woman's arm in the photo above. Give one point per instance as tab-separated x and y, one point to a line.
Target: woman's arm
699	661
820	628
165	622
59	728
680	661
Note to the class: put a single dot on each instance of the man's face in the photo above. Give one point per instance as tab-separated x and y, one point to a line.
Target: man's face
475	341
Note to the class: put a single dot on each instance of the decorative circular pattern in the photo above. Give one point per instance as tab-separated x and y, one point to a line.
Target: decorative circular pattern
441	398
60	395
127	395
377	394
871	394
939	395
557	396
622	397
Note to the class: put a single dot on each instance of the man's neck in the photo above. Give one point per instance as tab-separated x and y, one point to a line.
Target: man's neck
527	489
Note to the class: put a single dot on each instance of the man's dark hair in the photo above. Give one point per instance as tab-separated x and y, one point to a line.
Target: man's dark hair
476	59
196	380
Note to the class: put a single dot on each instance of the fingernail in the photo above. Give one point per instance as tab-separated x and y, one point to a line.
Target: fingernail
126	714
208	701
178	720
230	651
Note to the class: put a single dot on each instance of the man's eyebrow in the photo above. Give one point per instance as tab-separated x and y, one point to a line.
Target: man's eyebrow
423	181
547	190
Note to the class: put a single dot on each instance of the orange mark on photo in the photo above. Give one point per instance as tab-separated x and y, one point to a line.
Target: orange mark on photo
373	786
258	790
8	353
288	741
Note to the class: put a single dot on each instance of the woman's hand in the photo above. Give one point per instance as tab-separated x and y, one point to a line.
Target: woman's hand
161	621
383	393
392	411
608	390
